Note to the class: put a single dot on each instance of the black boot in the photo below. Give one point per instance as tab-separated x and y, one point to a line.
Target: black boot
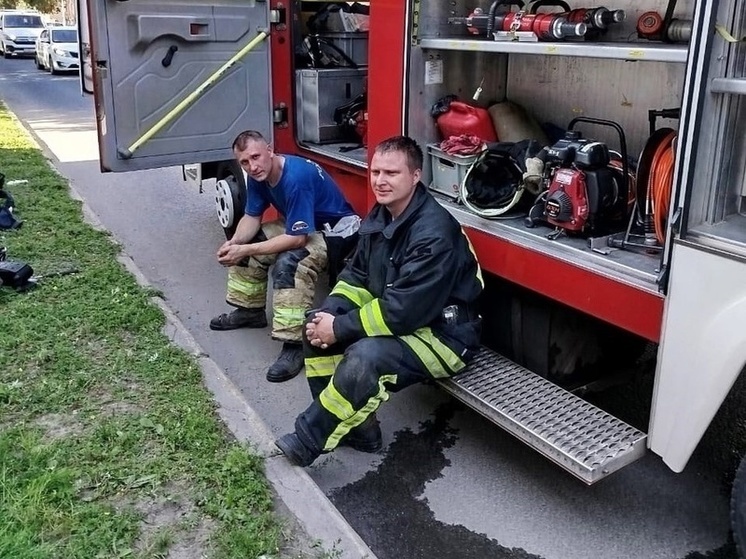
289	363
240	318
295	451
366	437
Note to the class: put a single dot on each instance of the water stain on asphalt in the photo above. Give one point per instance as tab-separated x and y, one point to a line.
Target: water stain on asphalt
385	507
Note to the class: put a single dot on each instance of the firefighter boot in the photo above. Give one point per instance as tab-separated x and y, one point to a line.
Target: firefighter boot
295	451
289	363
240	318
366	437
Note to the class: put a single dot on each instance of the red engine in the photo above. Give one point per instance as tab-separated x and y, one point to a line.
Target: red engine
567	200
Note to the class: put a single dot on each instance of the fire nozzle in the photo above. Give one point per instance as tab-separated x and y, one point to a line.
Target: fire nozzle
597	18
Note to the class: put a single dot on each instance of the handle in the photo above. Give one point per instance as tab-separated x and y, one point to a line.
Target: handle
620	131
126	153
534	6
166	62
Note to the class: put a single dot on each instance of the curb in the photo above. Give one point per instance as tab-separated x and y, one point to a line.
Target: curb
315	513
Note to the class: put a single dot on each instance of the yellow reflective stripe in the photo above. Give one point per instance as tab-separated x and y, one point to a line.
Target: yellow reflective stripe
433	353
322	366
357	295
288	317
336	404
446	354
372	320
474	252
426	355
246	287
362	414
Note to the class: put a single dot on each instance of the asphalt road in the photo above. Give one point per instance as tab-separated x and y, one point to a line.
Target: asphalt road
448	484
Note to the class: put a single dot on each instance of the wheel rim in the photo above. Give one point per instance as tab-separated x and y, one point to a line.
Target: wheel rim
224	203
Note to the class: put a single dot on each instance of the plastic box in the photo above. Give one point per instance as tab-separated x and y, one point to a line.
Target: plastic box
354	45
448	170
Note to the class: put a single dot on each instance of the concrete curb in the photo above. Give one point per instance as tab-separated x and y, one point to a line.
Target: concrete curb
315	513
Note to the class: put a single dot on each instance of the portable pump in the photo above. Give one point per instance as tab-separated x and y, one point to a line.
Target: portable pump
586	192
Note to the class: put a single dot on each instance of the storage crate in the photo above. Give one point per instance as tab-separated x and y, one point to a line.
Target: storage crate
448	170
354	45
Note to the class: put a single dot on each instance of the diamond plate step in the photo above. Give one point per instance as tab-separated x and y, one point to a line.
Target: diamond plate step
576	435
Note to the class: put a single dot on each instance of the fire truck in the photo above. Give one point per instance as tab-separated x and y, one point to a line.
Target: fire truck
658	85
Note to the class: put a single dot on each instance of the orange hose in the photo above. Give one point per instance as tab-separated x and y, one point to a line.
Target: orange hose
660	184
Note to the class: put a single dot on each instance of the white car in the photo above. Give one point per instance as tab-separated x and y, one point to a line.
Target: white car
18	32
57	50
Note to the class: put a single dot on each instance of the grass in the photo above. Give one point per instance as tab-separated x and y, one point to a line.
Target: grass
109	444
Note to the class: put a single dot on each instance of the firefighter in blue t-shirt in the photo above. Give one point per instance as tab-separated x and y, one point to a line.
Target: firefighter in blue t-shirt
308	201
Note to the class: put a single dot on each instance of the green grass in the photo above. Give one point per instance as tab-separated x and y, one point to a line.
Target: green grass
109	444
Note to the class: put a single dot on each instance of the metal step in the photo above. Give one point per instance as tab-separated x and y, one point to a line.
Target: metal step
583	439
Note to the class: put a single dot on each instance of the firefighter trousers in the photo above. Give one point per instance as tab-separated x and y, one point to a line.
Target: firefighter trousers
348	384
294	276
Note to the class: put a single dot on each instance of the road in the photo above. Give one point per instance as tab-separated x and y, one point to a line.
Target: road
448	484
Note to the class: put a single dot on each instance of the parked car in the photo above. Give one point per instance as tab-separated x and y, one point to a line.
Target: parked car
18	31
57	50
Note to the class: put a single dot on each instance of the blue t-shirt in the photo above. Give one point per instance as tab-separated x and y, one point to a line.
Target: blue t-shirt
306	196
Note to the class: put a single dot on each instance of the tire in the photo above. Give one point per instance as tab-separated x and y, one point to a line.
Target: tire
52	69
738	509
39	65
230	196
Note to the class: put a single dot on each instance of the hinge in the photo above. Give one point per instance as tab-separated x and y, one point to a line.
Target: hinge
676	222
280	115
415	31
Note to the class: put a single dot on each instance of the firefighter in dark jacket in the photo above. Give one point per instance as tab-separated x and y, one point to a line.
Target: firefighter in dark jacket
403	311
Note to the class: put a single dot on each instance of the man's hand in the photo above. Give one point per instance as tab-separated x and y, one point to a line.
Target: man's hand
320	331
230	254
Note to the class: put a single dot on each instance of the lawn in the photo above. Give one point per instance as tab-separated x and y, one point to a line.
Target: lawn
109	444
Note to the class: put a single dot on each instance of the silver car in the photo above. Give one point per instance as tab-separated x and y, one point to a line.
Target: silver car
57	50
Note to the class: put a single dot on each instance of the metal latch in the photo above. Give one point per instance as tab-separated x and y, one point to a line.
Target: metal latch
280	114
278	16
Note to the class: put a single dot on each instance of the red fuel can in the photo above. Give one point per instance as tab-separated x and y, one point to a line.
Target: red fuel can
466	119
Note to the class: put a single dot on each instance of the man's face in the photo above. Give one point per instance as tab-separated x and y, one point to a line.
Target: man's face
392	181
256	159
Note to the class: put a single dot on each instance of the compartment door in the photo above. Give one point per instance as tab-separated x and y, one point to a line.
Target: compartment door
703	342
149	56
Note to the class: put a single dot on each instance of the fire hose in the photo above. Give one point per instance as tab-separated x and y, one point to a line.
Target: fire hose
660	183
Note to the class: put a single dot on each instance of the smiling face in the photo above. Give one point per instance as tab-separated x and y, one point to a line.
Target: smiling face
392	180
257	159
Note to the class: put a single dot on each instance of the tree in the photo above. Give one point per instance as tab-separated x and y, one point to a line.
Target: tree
44	6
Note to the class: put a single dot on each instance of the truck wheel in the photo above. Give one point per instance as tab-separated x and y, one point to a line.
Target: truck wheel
230	196
738	509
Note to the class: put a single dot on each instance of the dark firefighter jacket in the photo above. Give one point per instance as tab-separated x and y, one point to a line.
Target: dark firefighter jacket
403	275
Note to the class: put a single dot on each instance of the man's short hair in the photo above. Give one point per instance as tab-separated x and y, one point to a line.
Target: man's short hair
405	145
245	137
